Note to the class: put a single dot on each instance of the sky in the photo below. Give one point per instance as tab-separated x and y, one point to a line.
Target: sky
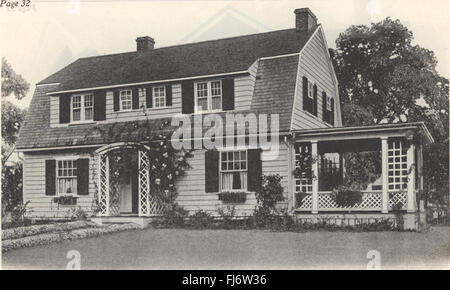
43	38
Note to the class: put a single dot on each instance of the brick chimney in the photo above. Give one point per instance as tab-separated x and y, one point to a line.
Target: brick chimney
145	43
305	20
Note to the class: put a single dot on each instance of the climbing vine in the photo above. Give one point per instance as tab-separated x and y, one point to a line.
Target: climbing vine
148	136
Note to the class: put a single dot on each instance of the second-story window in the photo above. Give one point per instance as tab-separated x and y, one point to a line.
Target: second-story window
159	97
208	96
82	108
125	100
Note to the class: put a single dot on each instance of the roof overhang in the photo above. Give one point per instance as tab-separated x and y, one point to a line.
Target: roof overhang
406	130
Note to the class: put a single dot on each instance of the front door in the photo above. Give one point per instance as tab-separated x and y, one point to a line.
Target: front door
125	195
128	188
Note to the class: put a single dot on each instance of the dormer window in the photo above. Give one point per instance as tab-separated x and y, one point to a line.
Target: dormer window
159	97
208	96
82	108
126	102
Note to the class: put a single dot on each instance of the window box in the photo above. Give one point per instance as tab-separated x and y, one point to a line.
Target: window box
233	197
65	200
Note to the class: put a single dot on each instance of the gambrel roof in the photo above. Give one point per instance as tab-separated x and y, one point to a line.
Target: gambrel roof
181	61
273	94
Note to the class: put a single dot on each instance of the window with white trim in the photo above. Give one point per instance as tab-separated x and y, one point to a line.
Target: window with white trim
66	177
233	170
328	103
208	96
125	100
82	108
159	97
310	90
303	183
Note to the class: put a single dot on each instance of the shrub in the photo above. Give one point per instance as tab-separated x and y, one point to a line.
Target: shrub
346	196
233	196
18	212
270	192
201	219
174	216
227	215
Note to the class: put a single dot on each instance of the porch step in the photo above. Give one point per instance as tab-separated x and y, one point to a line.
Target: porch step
141	221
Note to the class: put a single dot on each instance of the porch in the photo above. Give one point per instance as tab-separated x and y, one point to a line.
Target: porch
388	157
129	201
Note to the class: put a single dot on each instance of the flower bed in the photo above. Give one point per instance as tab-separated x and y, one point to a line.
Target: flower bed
21	232
68	233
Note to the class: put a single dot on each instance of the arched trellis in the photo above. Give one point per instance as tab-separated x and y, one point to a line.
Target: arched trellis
148	205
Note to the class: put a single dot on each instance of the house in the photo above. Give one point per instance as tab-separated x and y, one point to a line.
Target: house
286	73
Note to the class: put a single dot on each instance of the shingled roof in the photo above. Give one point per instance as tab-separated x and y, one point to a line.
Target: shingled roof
273	94
196	59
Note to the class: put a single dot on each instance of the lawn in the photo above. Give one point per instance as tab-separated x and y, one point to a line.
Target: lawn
240	249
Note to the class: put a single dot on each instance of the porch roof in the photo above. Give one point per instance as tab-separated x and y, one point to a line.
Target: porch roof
406	130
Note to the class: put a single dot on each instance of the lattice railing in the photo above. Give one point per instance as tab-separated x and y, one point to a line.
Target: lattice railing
398	197
305	203
370	201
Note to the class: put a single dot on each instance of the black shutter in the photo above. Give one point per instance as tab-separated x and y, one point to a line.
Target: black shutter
332	112
135	98
254	172
187	97
100	105
50	177
305	94
211	171
64	108
314	104
324	107
228	94
116	101
149	97
168	95
83	176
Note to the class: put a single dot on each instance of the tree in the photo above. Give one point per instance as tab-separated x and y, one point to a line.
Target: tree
13	83
384	78
12	119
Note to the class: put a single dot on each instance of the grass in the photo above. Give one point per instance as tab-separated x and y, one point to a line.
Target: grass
241	249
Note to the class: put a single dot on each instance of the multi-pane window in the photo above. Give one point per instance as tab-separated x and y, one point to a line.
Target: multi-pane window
233	170
125	100
303	182
208	96
159	97
397	166
216	95
82	108
66	177
310	90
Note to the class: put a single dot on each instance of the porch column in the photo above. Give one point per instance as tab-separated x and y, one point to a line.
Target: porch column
411	200
315	176
384	175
